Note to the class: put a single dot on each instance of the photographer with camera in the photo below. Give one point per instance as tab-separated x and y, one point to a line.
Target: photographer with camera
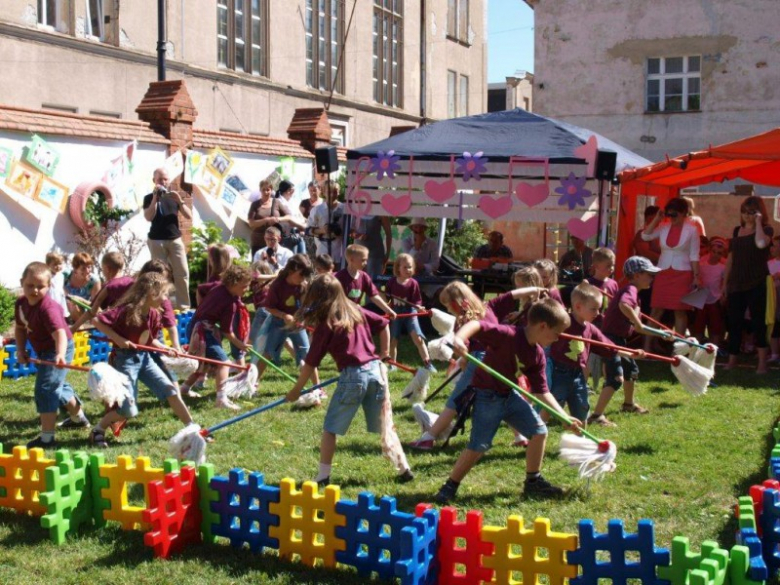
161	208
326	223
276	255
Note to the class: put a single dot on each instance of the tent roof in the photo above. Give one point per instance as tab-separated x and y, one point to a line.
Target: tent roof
499	135
755	159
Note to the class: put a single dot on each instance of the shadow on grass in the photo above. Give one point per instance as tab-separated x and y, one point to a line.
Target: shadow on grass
668	405
642	449
658	390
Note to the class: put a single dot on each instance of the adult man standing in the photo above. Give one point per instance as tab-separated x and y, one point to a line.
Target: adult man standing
162	208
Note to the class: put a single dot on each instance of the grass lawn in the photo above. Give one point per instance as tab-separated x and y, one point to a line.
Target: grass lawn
682	466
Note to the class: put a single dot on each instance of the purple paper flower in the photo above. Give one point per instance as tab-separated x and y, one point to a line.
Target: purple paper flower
572	191
385	164
471	165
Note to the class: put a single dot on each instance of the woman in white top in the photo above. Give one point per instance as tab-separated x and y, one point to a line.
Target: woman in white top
292	223
679	262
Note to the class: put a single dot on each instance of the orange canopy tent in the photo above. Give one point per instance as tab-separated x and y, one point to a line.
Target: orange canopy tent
755	159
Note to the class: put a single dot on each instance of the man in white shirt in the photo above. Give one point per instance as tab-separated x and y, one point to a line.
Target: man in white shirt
276	255
325	231
423	249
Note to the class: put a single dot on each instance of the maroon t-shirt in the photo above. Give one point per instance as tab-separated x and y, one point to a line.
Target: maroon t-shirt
283	296
116	319
503	305
615	322
168	316
260	293
574	354
555	295
510	354
476	344
206	287
609	287
356	287
41	321
115	290
348	349
409	291
219	306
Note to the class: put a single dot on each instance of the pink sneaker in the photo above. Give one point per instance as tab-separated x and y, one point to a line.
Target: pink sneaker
421	444
520	441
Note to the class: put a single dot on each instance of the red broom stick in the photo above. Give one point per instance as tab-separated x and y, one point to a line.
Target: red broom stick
56	365
653	356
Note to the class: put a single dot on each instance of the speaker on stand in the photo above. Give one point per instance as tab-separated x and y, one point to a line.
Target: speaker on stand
606	161
326	161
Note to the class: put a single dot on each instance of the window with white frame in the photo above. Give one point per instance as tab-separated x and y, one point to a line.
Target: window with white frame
673	84
242	38
99	20
324	43
388	47
54	14
457	94
463	96
458	20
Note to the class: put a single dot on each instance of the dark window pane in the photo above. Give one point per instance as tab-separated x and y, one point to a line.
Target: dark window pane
255	31
694	64
256	63
653	66
673	103
653	104
240	48
222	51
673	86
694	102
694	84
674	65
653	87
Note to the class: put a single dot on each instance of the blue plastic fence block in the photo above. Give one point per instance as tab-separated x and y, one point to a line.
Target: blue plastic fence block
243	509
758	571
98	350
14	369
616	542
418	550
182	322
770	530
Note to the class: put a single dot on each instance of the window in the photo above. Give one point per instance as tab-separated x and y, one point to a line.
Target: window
388	45
324	43
458	20
463	98
673	84
54	14
457	95
241	35
99	22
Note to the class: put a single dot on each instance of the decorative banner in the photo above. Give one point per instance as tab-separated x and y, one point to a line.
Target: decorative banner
589	151
194	167
41	155
219	162
470	166
119	178
23	180
532	195
287	167
583	230
6	159
228	195
52	194
385	164
174	164
573	191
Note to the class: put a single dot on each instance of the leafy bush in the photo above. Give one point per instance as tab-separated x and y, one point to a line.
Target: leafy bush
7	302
460	242
197	256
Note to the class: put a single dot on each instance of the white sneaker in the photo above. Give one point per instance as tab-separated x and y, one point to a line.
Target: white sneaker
227	403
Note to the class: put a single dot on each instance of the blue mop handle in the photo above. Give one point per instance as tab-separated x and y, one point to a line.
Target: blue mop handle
259	409
662	333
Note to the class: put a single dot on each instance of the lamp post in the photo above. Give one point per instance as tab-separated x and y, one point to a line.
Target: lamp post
161	41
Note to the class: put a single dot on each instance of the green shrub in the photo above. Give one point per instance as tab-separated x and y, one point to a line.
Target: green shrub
7	302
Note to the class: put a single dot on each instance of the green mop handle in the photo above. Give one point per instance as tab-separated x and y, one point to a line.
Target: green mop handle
561	417
82	304
268	362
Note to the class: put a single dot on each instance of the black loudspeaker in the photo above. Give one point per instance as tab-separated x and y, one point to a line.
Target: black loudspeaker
327	160
606	160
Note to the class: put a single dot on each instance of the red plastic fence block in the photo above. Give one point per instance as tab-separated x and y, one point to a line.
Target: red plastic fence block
757	494
174	513
470	555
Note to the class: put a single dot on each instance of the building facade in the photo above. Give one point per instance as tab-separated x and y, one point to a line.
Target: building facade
515	92
250	64
662	77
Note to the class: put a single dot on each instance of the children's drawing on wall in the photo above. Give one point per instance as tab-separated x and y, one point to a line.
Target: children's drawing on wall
23	180
52	194
42	156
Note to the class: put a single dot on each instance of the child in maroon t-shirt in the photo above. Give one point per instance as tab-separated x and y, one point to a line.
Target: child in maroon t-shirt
406	297
41	321
344	330
357	284
117	284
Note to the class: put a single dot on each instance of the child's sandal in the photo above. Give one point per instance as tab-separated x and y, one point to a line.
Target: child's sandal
633	409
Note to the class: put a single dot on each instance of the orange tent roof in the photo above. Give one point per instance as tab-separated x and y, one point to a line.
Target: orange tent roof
755	159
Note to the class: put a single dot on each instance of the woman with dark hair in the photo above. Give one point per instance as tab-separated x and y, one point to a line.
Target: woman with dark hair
746	275
679	263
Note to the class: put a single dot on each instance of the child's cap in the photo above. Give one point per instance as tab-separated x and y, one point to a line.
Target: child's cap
637	264
418	221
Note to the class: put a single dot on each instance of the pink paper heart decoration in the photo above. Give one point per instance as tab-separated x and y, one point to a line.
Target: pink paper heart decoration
495	207
588	151
359	204
440	192
396	205
532	194
583	229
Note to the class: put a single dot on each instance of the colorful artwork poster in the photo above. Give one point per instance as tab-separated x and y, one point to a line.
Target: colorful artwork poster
228	196
119	178
174	164
236	183
219	162
211	184
52	194
194	166
6	159
287	167
23	180
42	156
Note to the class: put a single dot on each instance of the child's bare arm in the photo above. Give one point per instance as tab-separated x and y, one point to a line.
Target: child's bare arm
384	342
117	339
60	345
295	392
20	334
464	334
236	341
528	292
93	311
380	302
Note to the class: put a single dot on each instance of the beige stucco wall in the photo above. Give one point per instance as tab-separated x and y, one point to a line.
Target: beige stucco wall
590	68
70	71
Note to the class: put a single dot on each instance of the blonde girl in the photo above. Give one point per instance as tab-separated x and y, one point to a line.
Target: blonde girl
549	273
403	287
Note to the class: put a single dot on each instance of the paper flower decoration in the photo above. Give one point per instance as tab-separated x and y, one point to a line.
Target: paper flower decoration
385	164
471	165
572	191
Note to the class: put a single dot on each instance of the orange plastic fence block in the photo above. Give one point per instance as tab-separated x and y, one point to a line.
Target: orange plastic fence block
22	478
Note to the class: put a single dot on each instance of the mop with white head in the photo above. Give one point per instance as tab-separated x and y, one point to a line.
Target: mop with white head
180	365
439	349
243	385
391	444
189	444
593	460
108	385
443	322
417	388
693	377
426	419
310	400
706	357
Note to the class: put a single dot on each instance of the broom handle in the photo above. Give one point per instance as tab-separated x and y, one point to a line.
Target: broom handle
443	385
401	366
501	378
259	409
707	348
652	356
79	302
268	362
404	301
420	314
56	365
198	358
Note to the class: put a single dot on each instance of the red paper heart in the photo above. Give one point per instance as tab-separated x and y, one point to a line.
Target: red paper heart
396	204
583	229
440	192
495	207
532	194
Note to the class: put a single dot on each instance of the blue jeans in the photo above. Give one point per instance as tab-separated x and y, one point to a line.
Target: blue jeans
141	366
274	334
357	386
406	326
464	381
254	331
51	389
491	408
569	388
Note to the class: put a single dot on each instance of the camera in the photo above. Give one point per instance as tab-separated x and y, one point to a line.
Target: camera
160	190
335	229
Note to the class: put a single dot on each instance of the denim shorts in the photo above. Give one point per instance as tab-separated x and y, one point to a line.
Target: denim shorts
491	408
140	366
619	367
272	336
214	349
405	326
254	331
569	387
52	391
464	381
357	386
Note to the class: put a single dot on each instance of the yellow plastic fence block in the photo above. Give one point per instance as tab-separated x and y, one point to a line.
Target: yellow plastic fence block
81	348
307	522
121	474
22	478
541	552
3	357
167	337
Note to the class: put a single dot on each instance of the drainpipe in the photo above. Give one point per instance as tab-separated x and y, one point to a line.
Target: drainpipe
161	41
423	51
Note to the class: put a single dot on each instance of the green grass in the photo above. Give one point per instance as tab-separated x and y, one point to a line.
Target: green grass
682	466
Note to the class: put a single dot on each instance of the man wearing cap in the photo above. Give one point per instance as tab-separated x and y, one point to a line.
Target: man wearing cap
423	249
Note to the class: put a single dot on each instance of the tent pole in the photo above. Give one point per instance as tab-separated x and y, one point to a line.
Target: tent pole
603	216
442	229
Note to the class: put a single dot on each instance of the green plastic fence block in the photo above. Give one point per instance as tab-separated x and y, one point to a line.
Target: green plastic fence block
684	563
747	513
99	503
207	495
776	433
739	567
68	495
